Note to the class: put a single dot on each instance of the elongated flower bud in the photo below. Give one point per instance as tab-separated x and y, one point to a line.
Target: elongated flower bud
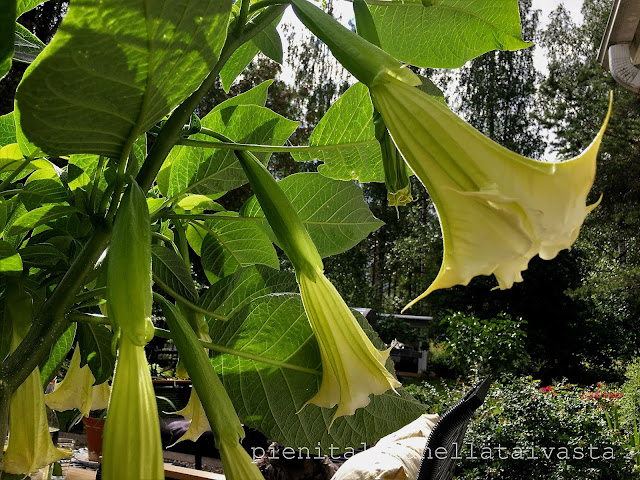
396	178
129	268
30	446
132	447
352	368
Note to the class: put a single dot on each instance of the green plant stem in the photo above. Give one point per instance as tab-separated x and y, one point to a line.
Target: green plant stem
242	17
162	237
268	148
172	129
88	318
51	321
14	174
120	183
188	303
97	292
266	3
95	183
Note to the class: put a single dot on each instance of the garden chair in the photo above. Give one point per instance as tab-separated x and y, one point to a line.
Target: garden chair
448	434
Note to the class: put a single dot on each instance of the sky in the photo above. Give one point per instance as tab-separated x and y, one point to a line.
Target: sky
345	10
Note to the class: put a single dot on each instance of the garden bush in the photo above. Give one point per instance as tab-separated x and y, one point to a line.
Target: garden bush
524	431
488	346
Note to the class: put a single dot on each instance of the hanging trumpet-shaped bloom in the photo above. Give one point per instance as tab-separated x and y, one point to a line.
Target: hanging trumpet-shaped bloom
77	390
30	446
131	446
497	209
352	368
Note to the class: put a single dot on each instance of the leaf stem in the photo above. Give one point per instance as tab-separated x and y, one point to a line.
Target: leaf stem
96	292
269	148
95	183
239	353
266	3
15	173
188	303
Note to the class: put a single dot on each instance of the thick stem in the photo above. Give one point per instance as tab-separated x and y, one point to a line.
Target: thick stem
51	321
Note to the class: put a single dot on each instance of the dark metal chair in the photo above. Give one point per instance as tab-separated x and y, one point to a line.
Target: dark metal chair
447	437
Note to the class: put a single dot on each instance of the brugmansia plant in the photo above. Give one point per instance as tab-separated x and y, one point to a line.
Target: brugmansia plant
111	186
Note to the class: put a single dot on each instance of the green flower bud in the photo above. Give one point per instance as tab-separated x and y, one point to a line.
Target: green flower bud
129	268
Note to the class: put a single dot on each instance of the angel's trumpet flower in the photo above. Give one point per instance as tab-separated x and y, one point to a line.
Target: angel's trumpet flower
77	390
352	368
497	209
30	446
131	446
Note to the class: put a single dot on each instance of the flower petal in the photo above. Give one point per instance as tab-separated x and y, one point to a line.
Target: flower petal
77	391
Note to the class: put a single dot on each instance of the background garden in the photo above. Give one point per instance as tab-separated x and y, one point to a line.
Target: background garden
563	345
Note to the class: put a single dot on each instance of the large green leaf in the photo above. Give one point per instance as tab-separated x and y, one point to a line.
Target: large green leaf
39	216
207	170
43	187
7	22
283	372
10	260
231	244
27	45
228	295
95	350
26	5
237	63
333	212
348	121
255	96
446	33
58	353
170	269
115	68
7	130
269	43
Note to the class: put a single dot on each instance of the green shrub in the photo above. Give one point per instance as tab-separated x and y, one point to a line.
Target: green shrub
492	346
525	432
630	407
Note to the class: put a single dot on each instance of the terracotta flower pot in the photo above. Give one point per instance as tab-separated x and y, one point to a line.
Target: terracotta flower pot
93	428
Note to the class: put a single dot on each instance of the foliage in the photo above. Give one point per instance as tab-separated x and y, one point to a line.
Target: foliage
630	406
526	431
489	346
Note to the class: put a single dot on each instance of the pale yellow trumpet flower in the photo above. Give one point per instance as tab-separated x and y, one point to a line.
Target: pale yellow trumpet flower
497	209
